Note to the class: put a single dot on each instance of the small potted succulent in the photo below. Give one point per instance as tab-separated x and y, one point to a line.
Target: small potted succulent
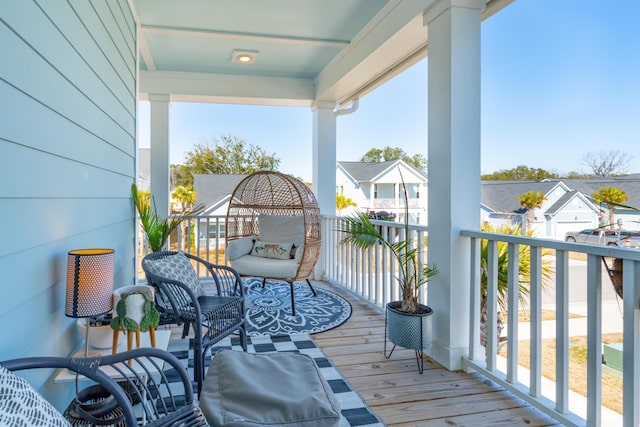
134	311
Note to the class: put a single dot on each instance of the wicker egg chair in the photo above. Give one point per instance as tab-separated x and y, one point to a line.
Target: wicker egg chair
273	194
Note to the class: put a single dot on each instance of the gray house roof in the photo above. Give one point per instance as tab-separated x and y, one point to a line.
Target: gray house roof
368	171
213	189
562	201
630	184
502	196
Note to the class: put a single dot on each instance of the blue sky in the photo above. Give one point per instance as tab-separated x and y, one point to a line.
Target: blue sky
560	78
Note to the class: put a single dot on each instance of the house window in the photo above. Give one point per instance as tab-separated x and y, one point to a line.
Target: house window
339	190
375	191
215	232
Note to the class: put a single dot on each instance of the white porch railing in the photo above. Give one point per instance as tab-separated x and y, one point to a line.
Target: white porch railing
530	389
370	274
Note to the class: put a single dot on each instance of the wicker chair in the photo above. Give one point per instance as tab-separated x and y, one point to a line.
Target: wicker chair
157	399
215	311
274	194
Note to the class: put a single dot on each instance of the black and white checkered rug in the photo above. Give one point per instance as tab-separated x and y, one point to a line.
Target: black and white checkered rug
355	411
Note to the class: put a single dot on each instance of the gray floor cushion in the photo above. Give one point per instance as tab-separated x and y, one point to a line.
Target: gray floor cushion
245	389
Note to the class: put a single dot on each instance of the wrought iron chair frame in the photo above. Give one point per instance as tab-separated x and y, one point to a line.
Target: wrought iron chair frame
155	395
212	316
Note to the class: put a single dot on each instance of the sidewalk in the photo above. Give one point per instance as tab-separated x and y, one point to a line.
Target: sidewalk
611	316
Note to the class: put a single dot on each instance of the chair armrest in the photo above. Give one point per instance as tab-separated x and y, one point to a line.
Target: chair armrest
227	280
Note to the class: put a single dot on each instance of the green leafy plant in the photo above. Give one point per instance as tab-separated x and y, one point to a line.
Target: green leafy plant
150	319
524	273
363	234
156	228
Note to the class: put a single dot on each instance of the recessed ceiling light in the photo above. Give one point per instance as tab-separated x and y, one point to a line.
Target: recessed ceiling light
244	56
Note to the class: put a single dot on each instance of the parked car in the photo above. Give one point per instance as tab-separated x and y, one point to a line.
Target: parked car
599	236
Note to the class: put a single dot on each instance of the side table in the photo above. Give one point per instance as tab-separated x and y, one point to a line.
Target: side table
162	342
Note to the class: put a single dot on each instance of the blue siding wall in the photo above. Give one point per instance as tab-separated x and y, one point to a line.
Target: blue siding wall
67	161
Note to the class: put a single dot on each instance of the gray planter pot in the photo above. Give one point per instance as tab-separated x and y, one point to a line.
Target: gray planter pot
412	331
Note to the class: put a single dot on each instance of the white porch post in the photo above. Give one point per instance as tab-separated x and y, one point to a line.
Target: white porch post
324	167
454	167
324	156
159	153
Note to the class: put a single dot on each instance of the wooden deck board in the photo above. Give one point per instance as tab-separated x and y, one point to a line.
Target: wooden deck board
395	390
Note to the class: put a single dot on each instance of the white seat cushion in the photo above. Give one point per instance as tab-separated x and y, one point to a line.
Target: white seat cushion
250	265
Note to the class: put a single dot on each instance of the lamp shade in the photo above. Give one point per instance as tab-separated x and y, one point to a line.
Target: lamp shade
89	282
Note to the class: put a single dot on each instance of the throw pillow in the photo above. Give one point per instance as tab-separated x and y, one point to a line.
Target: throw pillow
271	250
240	247
21	405
178	267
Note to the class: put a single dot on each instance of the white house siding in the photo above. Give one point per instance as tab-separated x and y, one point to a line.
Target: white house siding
577	215
67	156
350	190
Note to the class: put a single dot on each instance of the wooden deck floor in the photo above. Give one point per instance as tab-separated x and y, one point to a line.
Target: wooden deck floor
395	390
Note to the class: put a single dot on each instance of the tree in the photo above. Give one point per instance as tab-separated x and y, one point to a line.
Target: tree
180	175
530	201
187	198
520	173
605	163
387	154
611	196
229	155
343	202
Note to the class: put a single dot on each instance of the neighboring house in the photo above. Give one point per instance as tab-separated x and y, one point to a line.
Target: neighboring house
214	192
377	186
569	206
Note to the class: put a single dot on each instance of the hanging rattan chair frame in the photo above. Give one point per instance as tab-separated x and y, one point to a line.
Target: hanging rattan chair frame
274	193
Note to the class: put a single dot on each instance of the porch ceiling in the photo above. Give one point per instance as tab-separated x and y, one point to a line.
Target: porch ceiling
329	50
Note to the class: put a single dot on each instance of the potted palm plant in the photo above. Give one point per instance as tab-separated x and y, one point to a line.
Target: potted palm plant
156	228
408	322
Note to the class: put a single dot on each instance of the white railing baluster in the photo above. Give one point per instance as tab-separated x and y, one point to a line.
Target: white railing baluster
376	298
513	280
535	311
631	347
492	304
594	340
562	331
475	351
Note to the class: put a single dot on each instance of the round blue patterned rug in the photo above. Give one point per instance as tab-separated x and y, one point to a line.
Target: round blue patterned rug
269	309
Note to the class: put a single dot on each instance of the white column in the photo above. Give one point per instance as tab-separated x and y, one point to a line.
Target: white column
324	167
454	167
159	153
324	156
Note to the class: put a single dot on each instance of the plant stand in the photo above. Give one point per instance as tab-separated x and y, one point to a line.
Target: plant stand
412	331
